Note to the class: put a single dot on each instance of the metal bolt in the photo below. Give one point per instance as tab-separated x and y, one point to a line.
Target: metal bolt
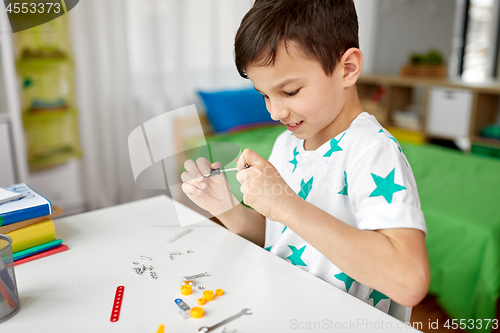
145	258
135	263
170	257
149	268
201	287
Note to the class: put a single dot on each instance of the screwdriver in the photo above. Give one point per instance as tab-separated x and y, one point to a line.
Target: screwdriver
218	171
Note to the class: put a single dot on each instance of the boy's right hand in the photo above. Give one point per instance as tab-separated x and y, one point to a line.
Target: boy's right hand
211	194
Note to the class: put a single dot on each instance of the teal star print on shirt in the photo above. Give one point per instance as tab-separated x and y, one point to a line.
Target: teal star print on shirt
347	280
386	186
344	190
305	188
377	297
294	161
334	146
295	257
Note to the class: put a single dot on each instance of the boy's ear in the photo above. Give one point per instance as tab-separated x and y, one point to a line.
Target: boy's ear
352	62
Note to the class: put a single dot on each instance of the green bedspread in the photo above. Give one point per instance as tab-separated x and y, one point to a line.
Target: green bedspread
460	196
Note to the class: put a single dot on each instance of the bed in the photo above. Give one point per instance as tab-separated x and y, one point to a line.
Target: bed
460	198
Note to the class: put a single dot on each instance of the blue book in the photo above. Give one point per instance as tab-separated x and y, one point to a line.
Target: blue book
30	206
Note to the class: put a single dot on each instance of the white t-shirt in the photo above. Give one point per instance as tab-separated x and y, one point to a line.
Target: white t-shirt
362	178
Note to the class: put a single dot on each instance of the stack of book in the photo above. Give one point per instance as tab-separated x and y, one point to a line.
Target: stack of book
28	222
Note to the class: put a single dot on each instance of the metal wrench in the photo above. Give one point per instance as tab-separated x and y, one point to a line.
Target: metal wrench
224	322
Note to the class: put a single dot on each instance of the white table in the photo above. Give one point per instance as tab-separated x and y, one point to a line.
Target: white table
73	291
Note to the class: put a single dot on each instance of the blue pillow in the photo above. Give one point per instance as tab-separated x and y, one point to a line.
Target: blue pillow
232	110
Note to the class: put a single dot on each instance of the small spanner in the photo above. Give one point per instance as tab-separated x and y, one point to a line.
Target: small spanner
224	322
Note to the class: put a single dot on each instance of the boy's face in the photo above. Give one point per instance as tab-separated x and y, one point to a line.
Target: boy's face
297	91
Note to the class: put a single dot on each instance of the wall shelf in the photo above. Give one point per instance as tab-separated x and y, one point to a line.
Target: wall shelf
403	93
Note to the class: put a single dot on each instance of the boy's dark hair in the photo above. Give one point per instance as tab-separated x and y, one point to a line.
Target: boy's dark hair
324	29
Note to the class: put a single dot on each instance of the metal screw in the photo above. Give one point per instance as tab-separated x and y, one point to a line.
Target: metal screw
189	251
153	275
195	276
145	258
201	287
135	263
150	268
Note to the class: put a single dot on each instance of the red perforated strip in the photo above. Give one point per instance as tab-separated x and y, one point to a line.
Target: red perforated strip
117	304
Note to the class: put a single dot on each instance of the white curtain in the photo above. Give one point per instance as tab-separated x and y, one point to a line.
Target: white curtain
136	59
177	46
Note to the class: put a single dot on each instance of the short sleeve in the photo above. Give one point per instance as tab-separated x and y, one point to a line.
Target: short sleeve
382	190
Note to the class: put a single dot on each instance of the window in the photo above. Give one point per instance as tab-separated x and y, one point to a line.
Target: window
477	35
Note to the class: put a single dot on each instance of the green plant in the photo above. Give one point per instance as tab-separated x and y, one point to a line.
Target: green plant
416	58
432	57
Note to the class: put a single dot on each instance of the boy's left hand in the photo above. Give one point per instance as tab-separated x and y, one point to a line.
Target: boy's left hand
262	186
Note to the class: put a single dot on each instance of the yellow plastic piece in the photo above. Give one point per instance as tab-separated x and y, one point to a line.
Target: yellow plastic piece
161	329
208	295
405	135
186	290
201	301
190	282
219	292
197	312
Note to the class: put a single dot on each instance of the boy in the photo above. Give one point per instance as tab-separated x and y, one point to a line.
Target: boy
337	197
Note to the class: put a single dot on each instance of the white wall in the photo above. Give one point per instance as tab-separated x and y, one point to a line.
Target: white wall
407	26
62	185
367	17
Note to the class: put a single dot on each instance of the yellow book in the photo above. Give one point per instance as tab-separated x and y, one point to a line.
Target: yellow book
32	235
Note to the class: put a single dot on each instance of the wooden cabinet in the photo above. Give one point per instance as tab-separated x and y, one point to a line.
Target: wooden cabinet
421	110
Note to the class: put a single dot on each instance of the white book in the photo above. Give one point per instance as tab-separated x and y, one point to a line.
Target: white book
6	195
